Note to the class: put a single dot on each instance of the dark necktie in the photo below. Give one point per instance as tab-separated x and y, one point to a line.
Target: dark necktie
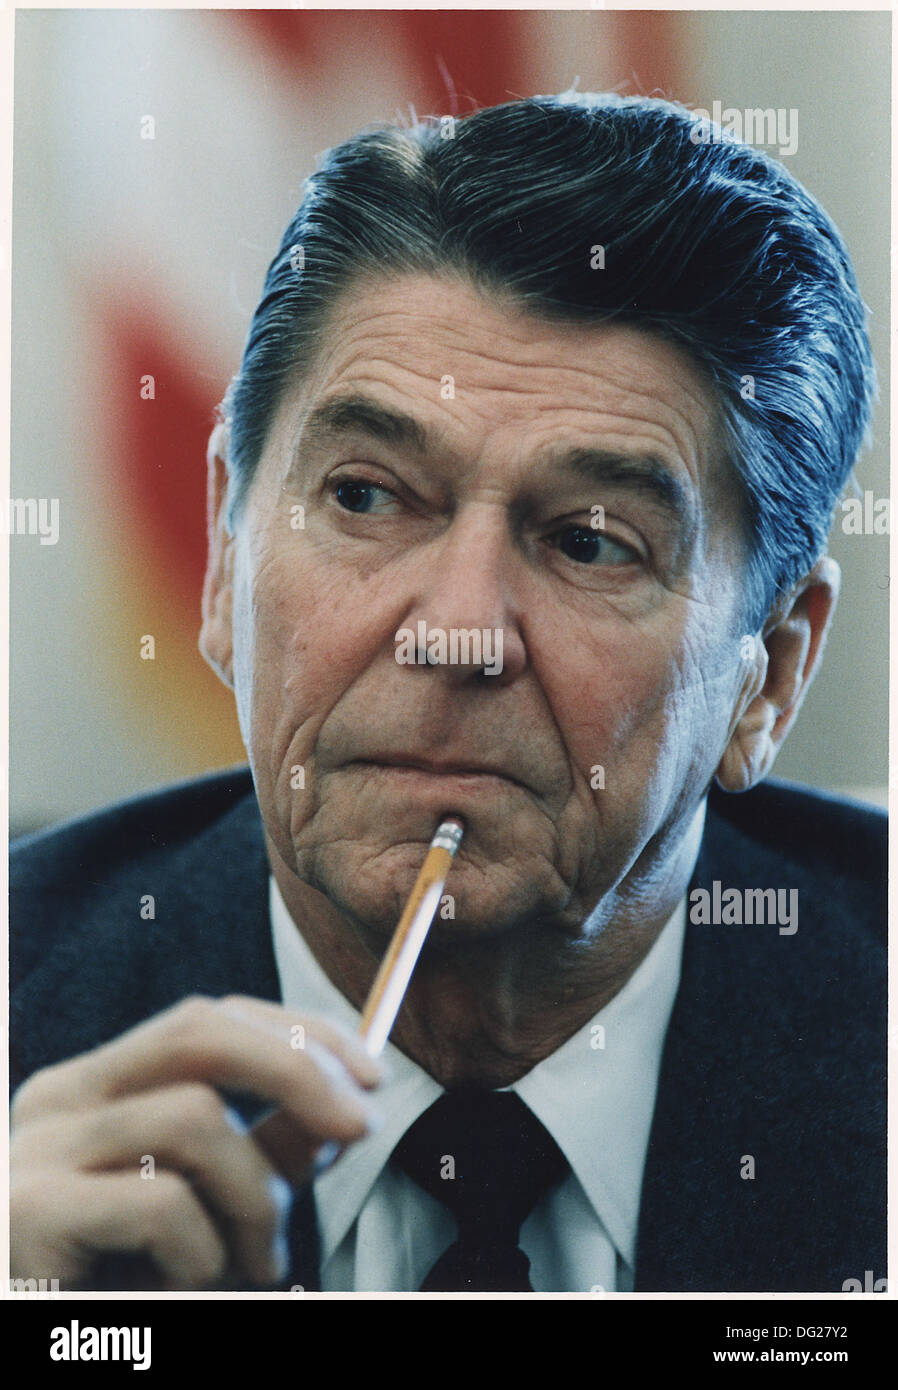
486	1157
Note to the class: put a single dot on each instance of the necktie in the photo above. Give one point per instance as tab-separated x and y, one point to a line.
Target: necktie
486	1157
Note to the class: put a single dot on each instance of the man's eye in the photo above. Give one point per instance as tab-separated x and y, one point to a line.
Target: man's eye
358	496
585	545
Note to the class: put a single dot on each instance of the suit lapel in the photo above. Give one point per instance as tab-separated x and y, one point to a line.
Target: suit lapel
756	1079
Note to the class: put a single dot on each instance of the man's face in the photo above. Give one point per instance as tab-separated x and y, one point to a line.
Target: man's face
455	461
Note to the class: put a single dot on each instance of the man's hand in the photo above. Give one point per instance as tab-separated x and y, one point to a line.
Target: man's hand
211	1214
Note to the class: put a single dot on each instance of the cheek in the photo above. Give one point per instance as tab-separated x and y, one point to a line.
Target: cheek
698	706
634	711
306	641
609	701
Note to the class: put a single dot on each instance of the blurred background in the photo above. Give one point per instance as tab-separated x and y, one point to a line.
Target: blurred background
158	157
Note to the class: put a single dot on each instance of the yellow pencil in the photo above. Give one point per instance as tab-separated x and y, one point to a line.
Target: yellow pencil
391	981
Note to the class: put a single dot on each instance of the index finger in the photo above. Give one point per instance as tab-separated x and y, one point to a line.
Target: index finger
335	1036
201	1039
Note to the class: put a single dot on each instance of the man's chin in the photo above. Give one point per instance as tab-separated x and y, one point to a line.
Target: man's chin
474	904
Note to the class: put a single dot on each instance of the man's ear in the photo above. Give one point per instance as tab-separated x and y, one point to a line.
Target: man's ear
793	638
216	633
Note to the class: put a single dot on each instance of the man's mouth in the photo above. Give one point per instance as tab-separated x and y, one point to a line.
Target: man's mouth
436	767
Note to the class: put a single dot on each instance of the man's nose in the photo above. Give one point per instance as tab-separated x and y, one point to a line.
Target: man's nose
466	613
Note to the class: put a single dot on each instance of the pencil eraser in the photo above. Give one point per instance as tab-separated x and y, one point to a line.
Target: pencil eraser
449	833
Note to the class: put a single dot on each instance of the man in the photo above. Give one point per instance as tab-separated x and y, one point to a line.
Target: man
568	380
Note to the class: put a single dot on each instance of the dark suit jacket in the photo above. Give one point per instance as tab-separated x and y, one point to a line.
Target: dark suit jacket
776	1047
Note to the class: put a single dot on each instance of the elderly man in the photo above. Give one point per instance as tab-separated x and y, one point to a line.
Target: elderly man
573	379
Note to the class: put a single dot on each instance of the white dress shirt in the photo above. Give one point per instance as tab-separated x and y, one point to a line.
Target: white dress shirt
595	1095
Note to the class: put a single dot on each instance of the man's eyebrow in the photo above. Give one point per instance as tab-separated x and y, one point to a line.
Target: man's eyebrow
358	414
646	474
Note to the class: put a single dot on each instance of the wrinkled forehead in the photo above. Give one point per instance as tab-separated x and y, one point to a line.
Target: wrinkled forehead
489	384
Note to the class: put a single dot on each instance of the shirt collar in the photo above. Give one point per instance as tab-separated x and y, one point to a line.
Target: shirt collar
596	1093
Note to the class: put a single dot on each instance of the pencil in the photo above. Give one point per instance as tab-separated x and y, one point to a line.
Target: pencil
391	981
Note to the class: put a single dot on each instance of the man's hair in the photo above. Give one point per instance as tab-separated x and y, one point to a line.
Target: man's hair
598	208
